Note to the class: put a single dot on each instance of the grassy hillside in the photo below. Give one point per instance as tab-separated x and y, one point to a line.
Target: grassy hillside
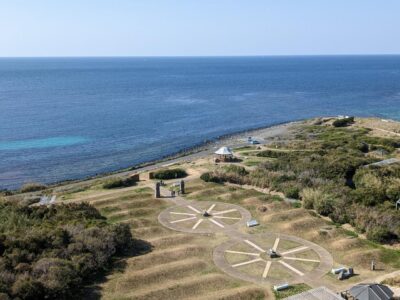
326	167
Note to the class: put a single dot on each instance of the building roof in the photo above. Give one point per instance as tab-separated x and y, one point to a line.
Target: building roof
371	292
224	151
316	294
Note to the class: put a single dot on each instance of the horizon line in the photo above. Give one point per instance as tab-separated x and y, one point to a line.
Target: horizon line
198	56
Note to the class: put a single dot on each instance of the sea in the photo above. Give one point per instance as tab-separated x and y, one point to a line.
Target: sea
70	118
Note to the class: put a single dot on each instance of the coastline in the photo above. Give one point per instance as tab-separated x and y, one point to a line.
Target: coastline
202	149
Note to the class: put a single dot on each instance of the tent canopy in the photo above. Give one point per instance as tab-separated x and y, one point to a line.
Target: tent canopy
371	292
224	151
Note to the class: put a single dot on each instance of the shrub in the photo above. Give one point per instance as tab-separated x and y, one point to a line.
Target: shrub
50	251
343	122
379	234
241	171
210	177
32	187
324	205
119	182
28	288
170	174
231	173
272	154
292	192
310	196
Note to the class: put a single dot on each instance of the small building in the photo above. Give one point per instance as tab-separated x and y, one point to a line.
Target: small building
367	291
317	293
224	154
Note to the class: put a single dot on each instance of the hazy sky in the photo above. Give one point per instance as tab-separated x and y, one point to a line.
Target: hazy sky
198	27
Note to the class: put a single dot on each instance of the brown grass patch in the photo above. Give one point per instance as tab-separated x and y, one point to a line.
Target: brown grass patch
143	232
278	206
183	289
132	213
303	224
253	201
118	198
160	273
125	206
345	244
138	222
362	258
286	215
167	255
393	281
242	293
171	240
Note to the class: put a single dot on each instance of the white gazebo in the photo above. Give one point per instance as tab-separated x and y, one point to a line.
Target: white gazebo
224	154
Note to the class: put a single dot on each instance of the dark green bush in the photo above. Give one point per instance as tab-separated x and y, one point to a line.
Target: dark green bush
230	173
49	251
170	174
273	154
210	177
32	187
324	206
119	182
343	122
292	192
379	234
238	170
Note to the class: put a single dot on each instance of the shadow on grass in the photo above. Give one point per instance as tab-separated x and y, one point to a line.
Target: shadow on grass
92	289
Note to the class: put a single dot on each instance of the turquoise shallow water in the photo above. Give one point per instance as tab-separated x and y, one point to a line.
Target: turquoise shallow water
42	143
64	118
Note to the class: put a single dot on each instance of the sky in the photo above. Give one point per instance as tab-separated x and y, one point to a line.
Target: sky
198	27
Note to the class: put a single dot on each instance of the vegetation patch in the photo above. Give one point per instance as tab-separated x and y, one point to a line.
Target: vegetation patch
32	187
326	168
170	174
273	154
119	182
230	173
343	122
51	251
394	281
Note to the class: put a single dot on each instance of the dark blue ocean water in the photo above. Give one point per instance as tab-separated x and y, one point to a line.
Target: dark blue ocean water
63	118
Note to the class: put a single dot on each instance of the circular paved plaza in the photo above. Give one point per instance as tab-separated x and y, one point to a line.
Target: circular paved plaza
271	258
204	217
